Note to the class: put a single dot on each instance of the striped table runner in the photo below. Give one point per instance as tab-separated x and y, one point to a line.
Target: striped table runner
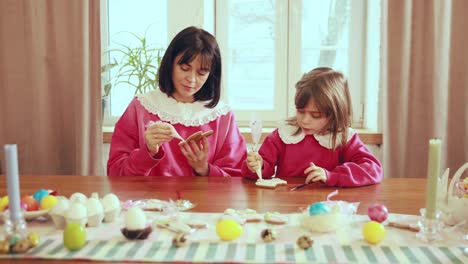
109	250
105	243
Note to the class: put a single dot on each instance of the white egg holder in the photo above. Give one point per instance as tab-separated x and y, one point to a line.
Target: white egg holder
89	212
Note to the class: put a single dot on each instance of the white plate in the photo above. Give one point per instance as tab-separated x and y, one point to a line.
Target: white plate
31	215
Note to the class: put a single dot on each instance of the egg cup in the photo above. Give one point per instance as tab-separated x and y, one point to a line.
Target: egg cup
59	221
95	220
139	234
111	215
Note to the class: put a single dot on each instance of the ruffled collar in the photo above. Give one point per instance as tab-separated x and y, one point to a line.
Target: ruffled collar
286	132
170	110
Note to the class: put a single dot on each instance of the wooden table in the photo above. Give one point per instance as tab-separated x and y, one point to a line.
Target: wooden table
212	194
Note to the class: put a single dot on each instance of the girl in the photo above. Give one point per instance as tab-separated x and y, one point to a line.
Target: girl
187	100
318	144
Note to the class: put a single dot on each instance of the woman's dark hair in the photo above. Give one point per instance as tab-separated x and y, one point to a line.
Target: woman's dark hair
192	42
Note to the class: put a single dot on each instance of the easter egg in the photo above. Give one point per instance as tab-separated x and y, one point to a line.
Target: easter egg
228	229
3	203
34	238
40	194
377	212
373	232
74	236
48	202
318	209
33	205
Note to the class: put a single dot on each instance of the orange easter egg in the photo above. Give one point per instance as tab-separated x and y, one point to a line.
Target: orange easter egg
33	205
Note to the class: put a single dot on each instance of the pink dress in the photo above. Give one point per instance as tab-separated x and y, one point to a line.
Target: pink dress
349	166
129	154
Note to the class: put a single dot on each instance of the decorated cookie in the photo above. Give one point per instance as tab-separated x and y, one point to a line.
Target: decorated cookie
275	218
251	216
207	133
270	183
233	215
175	226
195	223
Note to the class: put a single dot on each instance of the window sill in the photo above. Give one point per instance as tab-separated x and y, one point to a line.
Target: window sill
367	136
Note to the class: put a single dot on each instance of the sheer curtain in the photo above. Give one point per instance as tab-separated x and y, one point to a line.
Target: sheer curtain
50	85
424	84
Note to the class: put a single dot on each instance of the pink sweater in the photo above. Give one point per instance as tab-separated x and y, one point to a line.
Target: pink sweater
349	166
129	154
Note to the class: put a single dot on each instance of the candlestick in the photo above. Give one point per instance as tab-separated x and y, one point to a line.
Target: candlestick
14	221
11	158
433	173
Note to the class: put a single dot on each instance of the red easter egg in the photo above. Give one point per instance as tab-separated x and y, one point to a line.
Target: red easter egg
377	212
33	205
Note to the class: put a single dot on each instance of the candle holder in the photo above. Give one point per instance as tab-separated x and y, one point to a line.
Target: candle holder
15	227
430	228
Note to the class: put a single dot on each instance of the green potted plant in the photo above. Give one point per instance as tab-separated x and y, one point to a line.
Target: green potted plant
138	66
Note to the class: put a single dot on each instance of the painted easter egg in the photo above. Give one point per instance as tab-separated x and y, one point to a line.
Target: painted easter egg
40	194
373	232
74	236
48	202
228	229
377	212
318	209
33	205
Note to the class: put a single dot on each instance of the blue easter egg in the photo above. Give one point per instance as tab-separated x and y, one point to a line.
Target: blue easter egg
318	209
40	194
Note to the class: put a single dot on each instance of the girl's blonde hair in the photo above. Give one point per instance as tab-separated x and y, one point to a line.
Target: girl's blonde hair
329	90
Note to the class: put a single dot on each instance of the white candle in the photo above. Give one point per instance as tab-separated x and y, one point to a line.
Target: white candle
433	173
11	158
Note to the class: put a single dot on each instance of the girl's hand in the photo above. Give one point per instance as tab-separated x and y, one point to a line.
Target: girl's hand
254	161
157	134
196	152
315	173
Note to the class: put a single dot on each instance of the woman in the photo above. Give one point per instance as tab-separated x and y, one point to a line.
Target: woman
188	101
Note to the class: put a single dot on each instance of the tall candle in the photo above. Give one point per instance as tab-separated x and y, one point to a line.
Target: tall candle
11	158
433	171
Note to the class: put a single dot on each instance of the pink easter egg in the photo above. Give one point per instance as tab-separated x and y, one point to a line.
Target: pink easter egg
377	212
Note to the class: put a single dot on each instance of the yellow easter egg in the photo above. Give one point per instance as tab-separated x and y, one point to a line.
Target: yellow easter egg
228	229
34	238
3	203
48	202
373	232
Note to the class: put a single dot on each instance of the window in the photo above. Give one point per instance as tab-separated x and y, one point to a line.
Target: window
266	46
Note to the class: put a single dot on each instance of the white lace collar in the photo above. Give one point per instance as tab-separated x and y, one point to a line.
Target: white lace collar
170	110
286	132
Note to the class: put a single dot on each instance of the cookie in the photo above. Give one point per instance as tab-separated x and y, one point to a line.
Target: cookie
270	183
195	136
208	133
275	218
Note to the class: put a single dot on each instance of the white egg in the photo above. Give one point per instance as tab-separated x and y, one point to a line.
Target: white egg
60	207
135	219
78	198
77	211
110	202
94	206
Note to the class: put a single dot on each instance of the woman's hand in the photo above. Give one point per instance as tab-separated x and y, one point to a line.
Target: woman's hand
254	161
196	152
315	173
157	134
